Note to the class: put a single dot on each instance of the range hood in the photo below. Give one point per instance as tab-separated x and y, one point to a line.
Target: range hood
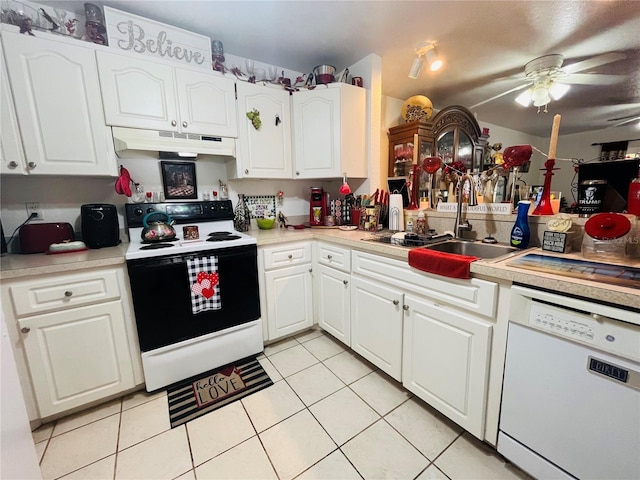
128	141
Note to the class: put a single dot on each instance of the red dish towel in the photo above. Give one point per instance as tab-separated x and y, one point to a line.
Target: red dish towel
441	263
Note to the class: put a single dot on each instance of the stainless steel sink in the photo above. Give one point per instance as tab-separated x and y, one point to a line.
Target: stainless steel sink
476	249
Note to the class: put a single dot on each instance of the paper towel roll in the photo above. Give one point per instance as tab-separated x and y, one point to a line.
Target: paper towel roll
396	212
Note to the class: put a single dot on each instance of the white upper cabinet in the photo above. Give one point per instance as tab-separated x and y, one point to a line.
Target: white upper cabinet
329	132
263	152
56	93
11	152
155	96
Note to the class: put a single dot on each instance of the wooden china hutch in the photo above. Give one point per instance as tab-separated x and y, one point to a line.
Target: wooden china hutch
453	135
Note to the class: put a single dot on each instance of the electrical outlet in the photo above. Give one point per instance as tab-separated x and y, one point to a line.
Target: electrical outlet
34	207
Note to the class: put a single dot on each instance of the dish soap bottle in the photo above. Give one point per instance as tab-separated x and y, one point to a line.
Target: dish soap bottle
520	232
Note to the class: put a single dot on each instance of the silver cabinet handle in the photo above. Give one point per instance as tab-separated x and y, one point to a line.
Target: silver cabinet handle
405	308
31	164
246	171
68	293
329	257
184	124
396	302
25	329
310	270
345	282
297	173
173	123
12	164
289	257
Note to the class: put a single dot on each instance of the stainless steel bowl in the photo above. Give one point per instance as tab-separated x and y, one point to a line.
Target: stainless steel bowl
324	70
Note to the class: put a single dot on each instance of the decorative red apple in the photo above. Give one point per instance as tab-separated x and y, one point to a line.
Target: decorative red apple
517	155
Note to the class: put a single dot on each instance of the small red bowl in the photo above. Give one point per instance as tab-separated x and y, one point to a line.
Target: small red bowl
324	78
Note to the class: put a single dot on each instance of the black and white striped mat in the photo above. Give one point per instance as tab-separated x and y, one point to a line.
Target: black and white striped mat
211	390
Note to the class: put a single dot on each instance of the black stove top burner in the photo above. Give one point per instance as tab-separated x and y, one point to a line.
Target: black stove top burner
153	246
222	236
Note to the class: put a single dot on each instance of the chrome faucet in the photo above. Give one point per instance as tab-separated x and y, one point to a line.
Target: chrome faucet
459	225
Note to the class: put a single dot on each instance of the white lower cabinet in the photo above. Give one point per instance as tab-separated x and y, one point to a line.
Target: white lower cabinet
376	324
334	302
74	338
289	300
286	280
445	361
77	356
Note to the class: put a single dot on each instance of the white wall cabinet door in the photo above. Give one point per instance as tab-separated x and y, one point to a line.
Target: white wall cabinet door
446	361
263	152
57	98
207	103
11	152
77	356
289	293
334	302
138	93
376	324
329	132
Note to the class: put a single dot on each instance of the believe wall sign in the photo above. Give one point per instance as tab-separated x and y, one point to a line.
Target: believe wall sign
146	37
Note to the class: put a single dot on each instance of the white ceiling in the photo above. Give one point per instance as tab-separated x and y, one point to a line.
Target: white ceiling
485	43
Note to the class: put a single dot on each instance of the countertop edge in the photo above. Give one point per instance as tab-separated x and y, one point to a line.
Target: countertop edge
15	266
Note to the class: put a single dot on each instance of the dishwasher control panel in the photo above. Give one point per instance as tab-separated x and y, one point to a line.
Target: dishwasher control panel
602	332
565	324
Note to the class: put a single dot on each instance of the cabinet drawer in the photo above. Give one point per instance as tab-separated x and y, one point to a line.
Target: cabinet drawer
334	256
287	255
63	291
475	295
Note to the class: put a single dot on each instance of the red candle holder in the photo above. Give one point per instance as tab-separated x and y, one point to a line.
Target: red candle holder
544	205
415	187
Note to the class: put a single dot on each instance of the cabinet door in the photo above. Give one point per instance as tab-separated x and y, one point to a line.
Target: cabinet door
137	93
333	301
56	94
329	132
289	300
376	324
207	103
77	356
446	361
11	152
263	152
316	133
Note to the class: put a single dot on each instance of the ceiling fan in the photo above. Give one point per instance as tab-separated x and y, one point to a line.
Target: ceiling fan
546	78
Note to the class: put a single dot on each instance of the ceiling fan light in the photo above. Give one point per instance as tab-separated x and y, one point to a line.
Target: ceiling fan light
524	98
435	62
540	95
416	66
558	90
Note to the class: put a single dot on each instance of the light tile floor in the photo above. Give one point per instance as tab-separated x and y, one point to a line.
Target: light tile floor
329	415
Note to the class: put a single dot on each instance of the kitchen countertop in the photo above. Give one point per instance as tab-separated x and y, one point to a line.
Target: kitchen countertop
16	266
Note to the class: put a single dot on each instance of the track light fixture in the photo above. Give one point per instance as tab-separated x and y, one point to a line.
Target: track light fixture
428	50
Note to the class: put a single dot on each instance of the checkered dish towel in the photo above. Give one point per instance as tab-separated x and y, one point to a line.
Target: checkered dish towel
204	284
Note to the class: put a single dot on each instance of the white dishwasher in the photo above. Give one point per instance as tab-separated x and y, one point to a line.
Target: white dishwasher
571	388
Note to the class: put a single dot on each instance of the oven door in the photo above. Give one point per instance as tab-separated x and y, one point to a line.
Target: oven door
161	291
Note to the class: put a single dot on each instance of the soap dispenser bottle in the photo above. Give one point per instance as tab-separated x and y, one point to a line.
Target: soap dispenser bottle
520	232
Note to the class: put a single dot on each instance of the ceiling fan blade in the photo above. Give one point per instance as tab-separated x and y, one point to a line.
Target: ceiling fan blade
629	120
593	62
591	79
500	95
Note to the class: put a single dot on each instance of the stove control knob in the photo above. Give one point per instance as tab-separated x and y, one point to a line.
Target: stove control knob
138	212
213	207
150	209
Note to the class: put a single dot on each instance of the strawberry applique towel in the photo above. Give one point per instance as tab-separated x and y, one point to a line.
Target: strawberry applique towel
204	284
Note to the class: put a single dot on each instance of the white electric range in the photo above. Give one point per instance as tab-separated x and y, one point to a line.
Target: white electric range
196	301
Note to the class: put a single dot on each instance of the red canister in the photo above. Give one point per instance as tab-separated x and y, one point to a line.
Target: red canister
633	199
